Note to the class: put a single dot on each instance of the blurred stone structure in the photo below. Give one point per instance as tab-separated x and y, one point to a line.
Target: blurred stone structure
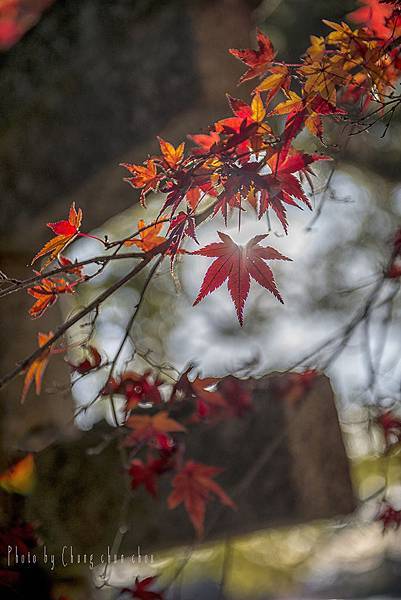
283	463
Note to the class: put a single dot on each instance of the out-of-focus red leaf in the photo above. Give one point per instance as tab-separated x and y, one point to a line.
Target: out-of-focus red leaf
193	486
141	591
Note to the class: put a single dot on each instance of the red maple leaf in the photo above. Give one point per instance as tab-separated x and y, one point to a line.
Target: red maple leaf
375	15
146	474
71	268
258	60
282	186
141	590
202	392
66	231
193	486
46	293
146	428
137	388
238	264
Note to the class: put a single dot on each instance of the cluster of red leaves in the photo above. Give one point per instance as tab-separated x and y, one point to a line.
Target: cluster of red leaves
46	293
245	161
213	399
156	435
136	388
48	289
192	481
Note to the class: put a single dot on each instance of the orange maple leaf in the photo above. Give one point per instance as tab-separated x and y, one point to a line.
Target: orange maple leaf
46	294
36	370
20	477
145	177
258	61
159	422
66	232
146	428
193	486
149	237
172	156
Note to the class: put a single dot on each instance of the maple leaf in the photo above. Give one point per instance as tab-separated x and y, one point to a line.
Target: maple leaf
282	186
259	61
205	141
172	156
149	236
183	225
278	80
238	264
375	15
310	111
20	477
36	370
71	268
92	361
145	177
200	390
254	112
46	294
146	427
66	232
141	591
146	474
137	388
193	486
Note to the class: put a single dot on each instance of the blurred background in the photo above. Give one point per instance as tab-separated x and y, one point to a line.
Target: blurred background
86	85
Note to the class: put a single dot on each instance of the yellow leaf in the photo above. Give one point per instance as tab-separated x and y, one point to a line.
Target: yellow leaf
293	100
19	478
258	108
